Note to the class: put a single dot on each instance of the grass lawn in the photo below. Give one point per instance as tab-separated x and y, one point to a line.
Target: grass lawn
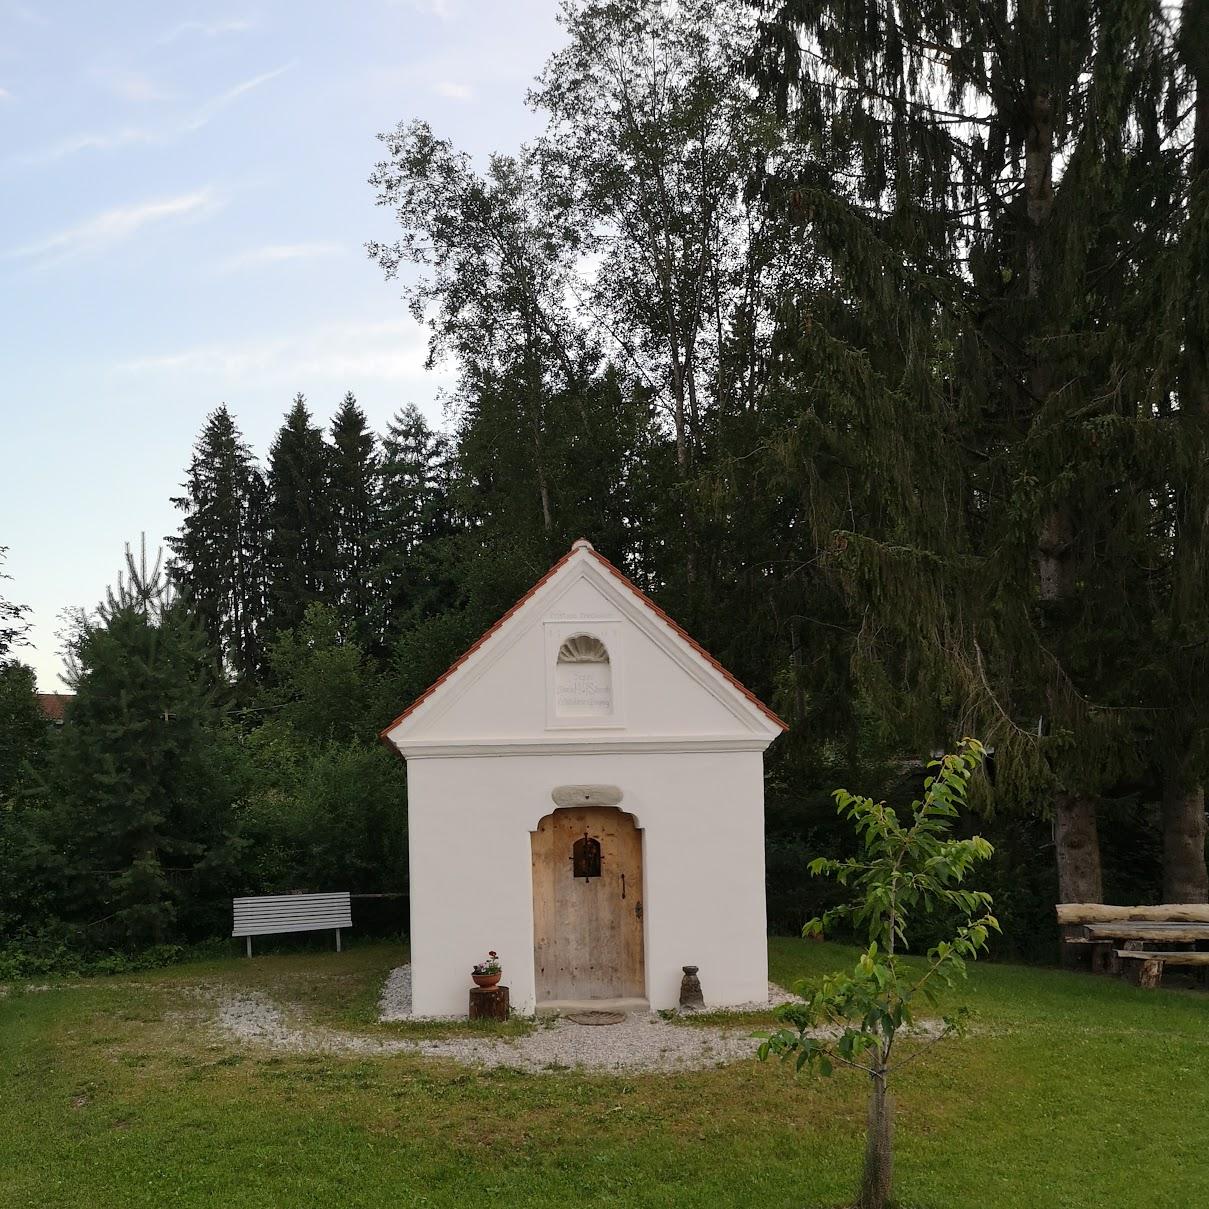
1072	1091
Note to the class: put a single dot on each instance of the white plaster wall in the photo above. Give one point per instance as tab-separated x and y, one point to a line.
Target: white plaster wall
702	819
508	696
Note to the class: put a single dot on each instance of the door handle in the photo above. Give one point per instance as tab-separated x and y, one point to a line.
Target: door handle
623	885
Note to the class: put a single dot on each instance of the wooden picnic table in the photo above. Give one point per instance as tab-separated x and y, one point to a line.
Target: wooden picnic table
1138	941
1141	949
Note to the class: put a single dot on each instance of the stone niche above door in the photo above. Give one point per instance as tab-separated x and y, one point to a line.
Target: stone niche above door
583	673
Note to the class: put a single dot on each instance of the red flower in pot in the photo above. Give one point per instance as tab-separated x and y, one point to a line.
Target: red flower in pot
488	972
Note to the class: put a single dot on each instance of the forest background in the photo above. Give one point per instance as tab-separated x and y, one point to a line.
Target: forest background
872	343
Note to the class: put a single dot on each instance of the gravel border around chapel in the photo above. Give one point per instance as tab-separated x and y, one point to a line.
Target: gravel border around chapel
644	1042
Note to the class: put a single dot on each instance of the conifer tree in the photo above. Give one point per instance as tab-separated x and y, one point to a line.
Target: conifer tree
220	547
138	812
411	575
354	504
301	541
983	190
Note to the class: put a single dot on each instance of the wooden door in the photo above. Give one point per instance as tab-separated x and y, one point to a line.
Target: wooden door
587	930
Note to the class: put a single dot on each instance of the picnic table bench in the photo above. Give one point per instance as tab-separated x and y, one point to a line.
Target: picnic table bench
1146	965
1137	941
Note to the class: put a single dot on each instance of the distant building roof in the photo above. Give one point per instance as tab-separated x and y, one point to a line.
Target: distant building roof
53	706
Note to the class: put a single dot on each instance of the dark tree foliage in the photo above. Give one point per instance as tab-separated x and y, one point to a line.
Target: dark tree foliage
413	574
354	502
13	625
301	541
137	823
23	729
986	193
872	341
325	805
219	551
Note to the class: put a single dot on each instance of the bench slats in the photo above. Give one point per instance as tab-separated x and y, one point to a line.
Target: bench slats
275	929
293	899
291	913
284	918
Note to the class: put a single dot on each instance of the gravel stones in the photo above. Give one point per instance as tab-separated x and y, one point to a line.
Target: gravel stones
641	1042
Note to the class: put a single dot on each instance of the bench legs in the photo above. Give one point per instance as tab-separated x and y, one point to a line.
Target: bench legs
249	943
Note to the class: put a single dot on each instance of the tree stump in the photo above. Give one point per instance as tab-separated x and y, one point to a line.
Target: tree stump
1150	972
489	1003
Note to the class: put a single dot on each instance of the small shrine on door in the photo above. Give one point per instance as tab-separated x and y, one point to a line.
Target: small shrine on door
586	797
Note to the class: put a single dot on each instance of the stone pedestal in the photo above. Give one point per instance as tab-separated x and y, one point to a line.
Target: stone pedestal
691	998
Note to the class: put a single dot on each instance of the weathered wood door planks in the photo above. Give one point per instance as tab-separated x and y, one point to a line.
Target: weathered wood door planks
587	932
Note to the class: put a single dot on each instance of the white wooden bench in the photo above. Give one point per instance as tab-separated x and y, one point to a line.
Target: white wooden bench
292	913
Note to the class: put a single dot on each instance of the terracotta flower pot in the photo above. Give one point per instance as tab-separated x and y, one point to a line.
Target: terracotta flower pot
486	980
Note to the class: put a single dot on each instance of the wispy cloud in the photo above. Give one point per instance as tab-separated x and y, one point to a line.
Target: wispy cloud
114	140
204	29
115	226
111	140
215	105
275	253
453	90
342	354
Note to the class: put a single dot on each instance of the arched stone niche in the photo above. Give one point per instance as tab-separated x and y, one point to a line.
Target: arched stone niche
583	678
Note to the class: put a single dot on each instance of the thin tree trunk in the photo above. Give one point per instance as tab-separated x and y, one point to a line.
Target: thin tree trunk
878	1175
1077	841
1184	875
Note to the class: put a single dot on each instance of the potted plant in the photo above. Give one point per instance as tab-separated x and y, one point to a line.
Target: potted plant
488	972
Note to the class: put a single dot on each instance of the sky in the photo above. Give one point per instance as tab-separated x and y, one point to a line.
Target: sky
183	213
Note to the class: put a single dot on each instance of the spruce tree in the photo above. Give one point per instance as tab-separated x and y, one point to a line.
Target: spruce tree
354	505
301	542
138	814
415	522
220	547
983	192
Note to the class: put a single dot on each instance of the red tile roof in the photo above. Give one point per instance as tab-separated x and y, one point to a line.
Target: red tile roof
53	705
582	543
